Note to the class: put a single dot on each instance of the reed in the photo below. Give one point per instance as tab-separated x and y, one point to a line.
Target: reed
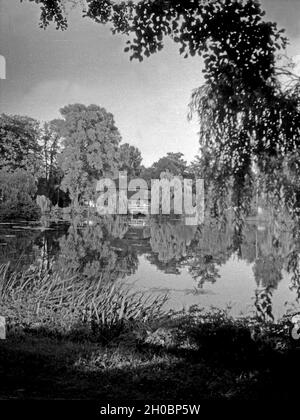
64	299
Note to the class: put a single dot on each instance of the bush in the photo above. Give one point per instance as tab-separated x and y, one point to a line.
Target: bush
17	190
25	209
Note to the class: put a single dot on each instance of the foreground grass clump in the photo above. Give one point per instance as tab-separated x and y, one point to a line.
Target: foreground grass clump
72	340
63	303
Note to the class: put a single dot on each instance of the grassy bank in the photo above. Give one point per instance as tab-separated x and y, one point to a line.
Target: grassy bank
57	348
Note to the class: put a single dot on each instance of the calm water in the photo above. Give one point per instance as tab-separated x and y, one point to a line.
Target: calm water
255	270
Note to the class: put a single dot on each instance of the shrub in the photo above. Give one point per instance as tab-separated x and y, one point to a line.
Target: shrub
25	209
17	190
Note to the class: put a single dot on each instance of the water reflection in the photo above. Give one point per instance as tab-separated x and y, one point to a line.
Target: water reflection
91	252
111	248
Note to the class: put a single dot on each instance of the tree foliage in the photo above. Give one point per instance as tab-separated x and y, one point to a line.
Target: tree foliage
246	115
90	148
17	192
249	119
51	139
172	163
19	146
130	159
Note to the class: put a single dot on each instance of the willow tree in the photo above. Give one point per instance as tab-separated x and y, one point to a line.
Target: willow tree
247	116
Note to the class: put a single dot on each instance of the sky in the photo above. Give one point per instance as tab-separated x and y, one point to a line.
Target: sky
47	69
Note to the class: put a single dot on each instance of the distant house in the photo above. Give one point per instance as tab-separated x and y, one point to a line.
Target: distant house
139	206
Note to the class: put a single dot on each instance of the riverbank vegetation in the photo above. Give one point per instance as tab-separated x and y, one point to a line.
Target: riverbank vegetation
70	339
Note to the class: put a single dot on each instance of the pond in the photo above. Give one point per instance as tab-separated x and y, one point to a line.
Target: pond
253	270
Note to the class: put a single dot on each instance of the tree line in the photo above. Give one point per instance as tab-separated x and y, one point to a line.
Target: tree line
248	107
64	158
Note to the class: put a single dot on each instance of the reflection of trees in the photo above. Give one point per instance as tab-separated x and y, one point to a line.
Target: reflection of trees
268	271
211	247
168	267
203	249
199	248
170	240
105	247
25	247
271	252
89	252
203	270
215	240
116	226
113	225
48	245
18	247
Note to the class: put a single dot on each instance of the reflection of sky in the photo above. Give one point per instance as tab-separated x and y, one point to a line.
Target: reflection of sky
236	286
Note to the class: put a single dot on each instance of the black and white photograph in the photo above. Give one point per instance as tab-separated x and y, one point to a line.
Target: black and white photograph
149	206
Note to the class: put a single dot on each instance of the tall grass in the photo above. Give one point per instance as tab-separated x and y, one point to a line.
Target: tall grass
63	299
